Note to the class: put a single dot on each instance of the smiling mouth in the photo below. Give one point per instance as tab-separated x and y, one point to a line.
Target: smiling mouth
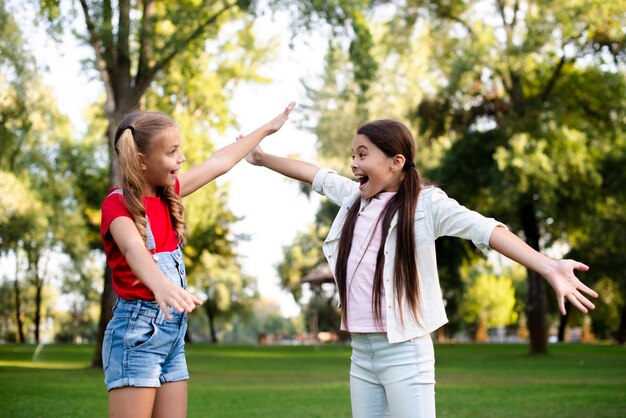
363	179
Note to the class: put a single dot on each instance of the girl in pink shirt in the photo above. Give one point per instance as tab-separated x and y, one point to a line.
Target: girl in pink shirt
381	249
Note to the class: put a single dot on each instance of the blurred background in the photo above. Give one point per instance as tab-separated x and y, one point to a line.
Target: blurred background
518	108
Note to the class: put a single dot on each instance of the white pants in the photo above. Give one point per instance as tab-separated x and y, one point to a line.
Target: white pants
392	380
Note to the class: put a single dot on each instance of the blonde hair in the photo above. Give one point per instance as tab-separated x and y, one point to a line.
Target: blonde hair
136	135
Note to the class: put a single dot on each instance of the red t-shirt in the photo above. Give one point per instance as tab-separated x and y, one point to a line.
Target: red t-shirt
125	283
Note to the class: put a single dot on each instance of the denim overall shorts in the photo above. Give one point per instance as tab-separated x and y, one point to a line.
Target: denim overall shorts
141	347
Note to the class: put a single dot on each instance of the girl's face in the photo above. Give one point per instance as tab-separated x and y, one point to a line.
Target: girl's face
375	171
164	161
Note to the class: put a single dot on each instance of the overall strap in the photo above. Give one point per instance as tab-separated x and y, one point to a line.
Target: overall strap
149	236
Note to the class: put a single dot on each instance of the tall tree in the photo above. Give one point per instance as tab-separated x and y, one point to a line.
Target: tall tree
33	136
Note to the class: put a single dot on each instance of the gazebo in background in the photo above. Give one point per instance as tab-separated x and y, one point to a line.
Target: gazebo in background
316	279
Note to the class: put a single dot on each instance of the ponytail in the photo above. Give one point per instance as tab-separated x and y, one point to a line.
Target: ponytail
132	180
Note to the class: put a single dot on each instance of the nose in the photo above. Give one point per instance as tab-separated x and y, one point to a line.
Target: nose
181	157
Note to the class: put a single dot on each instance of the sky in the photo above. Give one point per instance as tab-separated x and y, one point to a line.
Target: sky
272	207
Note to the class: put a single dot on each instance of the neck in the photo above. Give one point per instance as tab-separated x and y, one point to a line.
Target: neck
149	190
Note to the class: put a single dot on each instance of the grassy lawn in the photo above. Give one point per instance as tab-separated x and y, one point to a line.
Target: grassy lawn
302	382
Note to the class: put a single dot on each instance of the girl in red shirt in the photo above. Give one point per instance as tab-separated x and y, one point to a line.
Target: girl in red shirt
143	230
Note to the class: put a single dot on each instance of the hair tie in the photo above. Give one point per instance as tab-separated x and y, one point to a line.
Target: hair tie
132	131
408	165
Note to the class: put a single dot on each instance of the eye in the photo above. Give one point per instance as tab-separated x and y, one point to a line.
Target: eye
352	156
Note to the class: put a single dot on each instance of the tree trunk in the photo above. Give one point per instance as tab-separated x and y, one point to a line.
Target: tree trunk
37	319
211	318
563	323
19	336
106	312
536	310
620	334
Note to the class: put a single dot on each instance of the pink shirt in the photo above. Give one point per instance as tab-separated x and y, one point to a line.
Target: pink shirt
362	265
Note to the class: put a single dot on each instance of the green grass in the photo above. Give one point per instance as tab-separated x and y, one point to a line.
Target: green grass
246	381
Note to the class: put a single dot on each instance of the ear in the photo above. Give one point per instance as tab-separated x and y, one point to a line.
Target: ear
397	163
142	161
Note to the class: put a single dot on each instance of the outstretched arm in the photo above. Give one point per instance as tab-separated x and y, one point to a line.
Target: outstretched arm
225	158
558	273
296	169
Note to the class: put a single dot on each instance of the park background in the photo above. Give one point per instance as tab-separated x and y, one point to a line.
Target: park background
518	108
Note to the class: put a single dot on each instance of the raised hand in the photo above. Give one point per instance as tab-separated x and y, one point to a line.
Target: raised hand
277	123
567	286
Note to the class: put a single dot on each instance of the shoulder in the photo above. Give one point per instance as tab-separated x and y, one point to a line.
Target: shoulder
428	193
114	199
113	207
332	184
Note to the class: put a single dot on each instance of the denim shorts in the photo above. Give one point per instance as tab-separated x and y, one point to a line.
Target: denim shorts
141	347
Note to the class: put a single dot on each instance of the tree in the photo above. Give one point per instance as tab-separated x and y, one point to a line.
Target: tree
489	300
34	137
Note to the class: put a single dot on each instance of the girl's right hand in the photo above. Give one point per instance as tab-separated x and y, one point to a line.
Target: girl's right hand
254	157
168	294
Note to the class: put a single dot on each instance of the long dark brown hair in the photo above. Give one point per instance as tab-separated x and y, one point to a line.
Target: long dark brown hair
392	138
136	134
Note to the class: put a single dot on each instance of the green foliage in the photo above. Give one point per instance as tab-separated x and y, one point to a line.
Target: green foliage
489	298
302	257
49	181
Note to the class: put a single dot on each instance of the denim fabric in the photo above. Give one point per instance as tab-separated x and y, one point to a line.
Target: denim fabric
394	380
141	347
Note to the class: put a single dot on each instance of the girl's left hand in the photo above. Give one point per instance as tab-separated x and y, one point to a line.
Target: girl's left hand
567	286
277	123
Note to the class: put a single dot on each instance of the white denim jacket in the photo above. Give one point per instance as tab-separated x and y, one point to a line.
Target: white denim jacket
436	215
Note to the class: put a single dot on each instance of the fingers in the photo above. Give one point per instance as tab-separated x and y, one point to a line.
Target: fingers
580	266
576	303
579	301
580	297
196	300
588	290
180	301
289	108
164	309
189	301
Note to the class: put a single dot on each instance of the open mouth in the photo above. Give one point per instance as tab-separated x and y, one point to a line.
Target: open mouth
362	179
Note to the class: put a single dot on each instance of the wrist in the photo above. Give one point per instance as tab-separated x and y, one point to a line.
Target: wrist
549	268
259	157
